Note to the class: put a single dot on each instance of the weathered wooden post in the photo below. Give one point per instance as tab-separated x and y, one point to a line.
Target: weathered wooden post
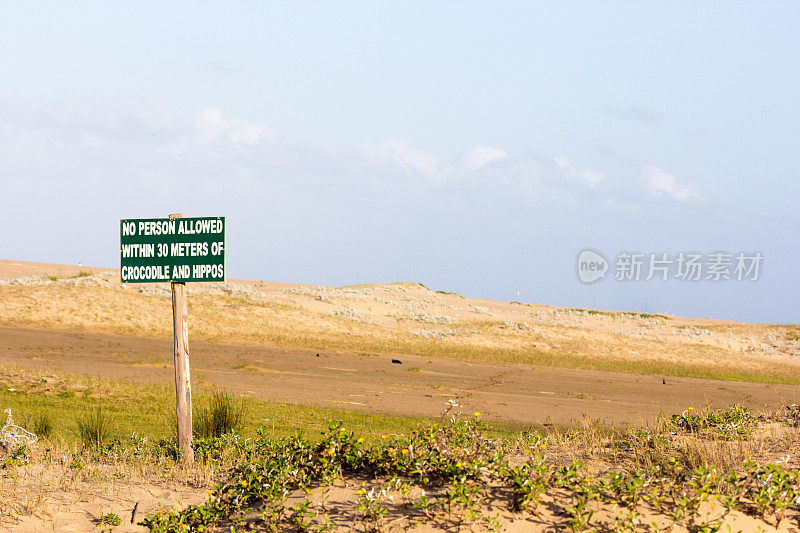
183	380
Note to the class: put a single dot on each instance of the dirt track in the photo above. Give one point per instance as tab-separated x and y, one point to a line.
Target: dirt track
417	387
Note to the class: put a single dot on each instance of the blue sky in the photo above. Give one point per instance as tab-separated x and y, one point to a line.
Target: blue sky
476	147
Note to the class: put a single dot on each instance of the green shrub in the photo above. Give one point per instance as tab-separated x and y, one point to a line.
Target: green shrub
93	427
18	456
110	519
224	414
42	426
734	422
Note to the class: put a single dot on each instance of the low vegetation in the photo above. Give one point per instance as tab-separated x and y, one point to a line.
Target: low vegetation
698	470
453	474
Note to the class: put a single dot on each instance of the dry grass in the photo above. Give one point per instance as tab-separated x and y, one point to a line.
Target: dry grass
601	446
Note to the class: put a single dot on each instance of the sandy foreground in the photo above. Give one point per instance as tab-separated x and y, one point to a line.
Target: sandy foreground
69	501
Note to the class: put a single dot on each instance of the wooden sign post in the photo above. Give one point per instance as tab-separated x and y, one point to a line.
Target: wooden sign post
183	380
177	250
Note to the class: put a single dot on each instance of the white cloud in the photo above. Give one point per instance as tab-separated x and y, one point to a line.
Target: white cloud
480	156
565	165
212	126
155	146
402	154
591	177
659	181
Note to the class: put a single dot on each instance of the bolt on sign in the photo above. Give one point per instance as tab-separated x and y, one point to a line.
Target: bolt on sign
174	250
